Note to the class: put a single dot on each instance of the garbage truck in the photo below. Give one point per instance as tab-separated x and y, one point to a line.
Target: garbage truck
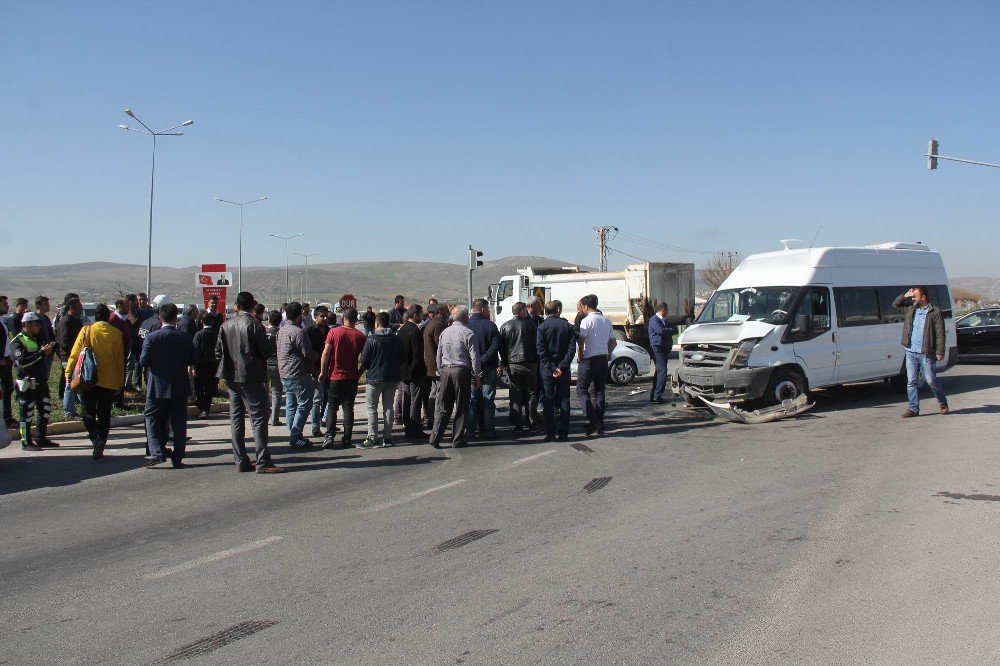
628	297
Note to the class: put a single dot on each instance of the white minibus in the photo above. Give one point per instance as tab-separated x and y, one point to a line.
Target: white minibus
794	320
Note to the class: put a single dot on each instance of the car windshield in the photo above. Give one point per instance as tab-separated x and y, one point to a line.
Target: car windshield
769	304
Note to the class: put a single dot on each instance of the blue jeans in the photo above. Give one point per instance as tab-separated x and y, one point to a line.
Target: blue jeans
482	405
914	364
384	392
298	401
319	403
69	398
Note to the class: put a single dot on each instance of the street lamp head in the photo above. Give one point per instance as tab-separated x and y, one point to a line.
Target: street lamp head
187	122
261	199
218	199
124	127
128	112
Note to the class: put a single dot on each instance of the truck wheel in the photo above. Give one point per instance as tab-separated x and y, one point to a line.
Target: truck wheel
692	401
783	385
623	371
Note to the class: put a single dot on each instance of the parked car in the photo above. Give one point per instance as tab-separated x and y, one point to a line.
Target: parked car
979	334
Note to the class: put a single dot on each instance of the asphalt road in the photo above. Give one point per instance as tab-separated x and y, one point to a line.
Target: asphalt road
846	535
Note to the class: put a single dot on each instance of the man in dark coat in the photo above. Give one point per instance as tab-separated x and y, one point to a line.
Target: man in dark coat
414	373
556	342
167	354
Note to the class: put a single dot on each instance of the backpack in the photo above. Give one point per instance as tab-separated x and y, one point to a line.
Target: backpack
85	372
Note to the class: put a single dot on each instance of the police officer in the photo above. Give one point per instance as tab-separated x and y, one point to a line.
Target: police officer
30	358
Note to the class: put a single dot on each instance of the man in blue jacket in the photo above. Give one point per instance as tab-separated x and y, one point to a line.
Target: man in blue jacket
486	337
661	340
167	353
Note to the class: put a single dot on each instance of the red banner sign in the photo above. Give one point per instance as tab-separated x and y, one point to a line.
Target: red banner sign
217	291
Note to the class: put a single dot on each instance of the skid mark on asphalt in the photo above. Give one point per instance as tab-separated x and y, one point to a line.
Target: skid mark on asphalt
596	484
214	557
973	496
463	539
416	495
215	641
583	448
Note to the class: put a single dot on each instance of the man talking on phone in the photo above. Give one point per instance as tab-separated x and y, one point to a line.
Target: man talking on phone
924	341
30	358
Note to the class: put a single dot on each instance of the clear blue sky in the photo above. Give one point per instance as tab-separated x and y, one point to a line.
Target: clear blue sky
403	130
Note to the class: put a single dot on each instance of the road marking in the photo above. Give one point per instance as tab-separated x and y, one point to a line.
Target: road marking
521	461
215	557
416	495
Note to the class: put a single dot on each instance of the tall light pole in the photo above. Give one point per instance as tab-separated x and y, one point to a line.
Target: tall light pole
239	275
933	157
306	278
152	175
288	295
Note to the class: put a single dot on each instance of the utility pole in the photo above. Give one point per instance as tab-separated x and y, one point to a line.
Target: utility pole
602	241
729	256
305	280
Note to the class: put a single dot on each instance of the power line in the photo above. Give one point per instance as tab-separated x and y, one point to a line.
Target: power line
614	249
639	240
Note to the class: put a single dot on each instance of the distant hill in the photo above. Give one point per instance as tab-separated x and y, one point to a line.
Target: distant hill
989	288
373	283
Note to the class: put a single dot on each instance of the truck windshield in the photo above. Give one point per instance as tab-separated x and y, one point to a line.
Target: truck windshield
769	304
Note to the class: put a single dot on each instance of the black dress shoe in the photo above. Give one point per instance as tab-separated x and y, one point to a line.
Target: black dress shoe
153	462
246	467
179	464
547	438
436	445
31	446
562	438
45	441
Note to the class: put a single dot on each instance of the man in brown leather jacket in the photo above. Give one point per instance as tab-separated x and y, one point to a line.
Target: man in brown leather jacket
924	342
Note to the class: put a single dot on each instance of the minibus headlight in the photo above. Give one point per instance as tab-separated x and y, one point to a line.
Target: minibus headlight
742	355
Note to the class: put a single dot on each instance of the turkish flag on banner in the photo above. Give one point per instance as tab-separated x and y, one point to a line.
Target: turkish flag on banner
205	279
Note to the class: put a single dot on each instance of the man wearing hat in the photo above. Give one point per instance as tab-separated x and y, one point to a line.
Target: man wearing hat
30	354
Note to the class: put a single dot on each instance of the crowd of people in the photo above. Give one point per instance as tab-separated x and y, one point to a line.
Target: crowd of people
423	368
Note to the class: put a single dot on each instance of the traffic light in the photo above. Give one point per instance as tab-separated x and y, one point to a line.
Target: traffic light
932	154
474	261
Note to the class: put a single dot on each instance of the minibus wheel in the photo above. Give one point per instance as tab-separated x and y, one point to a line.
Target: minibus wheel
784	385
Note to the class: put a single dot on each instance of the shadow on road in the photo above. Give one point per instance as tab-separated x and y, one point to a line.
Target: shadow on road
52	471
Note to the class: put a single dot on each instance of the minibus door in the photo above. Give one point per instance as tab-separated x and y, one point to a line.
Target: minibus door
813	341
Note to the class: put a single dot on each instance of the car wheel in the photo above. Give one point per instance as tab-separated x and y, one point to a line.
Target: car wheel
784	385
623	371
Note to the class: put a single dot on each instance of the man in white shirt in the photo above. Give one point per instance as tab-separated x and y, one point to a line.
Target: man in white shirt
593	347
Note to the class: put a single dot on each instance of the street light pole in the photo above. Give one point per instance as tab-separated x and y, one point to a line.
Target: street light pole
288	295
306	278
152	180
239	275
932	157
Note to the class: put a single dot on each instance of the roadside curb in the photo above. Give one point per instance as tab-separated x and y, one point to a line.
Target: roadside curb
72	427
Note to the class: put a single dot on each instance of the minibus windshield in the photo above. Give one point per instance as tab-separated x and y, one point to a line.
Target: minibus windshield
768	304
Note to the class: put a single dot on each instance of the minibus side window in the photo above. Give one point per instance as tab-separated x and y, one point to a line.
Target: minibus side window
887	295
815	304
857	306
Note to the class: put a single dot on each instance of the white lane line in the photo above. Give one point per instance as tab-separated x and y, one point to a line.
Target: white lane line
417	495
521	461
215	557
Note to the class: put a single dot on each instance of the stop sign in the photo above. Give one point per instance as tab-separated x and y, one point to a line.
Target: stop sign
348	301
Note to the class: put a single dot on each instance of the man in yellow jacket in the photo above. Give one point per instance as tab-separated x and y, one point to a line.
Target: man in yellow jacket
106	342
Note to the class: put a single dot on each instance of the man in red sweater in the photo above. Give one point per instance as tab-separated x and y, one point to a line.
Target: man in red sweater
340	363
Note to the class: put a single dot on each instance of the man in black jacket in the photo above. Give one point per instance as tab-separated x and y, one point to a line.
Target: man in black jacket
398	312
416	385
924	341
556	345
242	352
519	356
206	384
69	327
317	332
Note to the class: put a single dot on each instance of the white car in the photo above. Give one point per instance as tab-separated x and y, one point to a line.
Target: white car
627	362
